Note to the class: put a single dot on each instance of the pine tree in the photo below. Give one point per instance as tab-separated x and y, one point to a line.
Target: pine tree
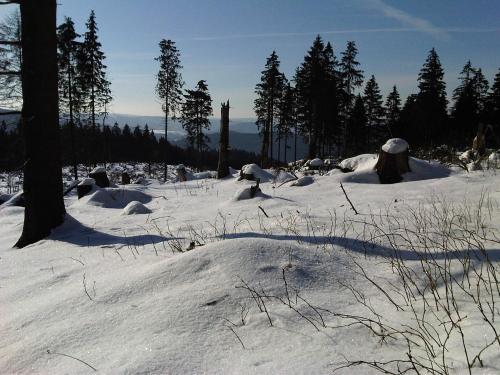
92	78
287	118
196	109
314	83
393	112
469	103
269	92
493	108
432	101
356	137
69	93
10	61
374	111
169	84
352	77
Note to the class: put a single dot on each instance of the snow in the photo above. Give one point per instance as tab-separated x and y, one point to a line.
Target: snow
395	146
114	291
134	208
98	170
360	161
87	182
315	162
303	181
364	172
257	172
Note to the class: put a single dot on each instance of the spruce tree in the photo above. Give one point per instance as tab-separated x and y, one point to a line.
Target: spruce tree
374	111
287	118
315	93
69	93
10	61
169	85
92	78
352	77
266	106
393	112
196	109
493	108
469	103
432	101
357	134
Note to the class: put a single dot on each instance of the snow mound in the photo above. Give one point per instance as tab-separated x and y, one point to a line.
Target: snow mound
246	193
87	181
134	208
257	172
204	175
361	161
315	163
494	157
395	146
115	198
283	176
303	181
98	170
365	172
467	156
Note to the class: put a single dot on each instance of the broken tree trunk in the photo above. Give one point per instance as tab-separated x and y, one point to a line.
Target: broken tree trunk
393	161
223	165
478	144
43	188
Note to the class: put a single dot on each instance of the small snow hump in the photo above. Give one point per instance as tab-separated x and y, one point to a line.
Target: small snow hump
395	146
134	208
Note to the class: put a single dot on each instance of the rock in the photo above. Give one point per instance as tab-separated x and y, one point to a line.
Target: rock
100	177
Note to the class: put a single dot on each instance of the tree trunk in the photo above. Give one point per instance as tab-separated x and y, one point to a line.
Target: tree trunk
165	166
223	166
43	188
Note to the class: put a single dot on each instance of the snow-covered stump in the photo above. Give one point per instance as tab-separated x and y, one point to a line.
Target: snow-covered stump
393	161
181	173
85	187
125	178
100	177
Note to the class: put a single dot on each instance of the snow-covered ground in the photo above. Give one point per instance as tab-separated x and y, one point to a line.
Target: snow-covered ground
259	291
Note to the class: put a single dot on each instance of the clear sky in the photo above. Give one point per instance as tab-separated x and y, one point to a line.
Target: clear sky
226	42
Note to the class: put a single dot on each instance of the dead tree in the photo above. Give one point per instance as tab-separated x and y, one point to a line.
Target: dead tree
43	187
223	166
478	144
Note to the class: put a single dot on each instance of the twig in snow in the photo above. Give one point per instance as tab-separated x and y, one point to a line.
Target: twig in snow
69	356
264	212
238	337
352	206
85	288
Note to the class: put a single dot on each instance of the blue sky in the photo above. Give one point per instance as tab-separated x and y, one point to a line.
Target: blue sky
226	42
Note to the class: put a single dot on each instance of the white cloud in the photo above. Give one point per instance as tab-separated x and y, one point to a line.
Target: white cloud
409	20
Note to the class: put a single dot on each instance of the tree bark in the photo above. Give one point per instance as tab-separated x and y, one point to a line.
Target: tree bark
223	166
43	188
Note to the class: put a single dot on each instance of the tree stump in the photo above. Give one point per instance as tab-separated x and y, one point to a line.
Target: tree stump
223	165
125	178
393	161
181	173
478	143
255	189
100	177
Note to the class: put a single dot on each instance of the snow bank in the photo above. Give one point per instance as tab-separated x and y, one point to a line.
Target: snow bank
316	163
283	176
115	198
87	181
395	146
134	208
303	181
364	170
98	170
246	193
360	161
257	172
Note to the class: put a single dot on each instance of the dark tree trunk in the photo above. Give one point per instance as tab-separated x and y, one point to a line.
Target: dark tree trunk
165	166
390	167
43	189
223	166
